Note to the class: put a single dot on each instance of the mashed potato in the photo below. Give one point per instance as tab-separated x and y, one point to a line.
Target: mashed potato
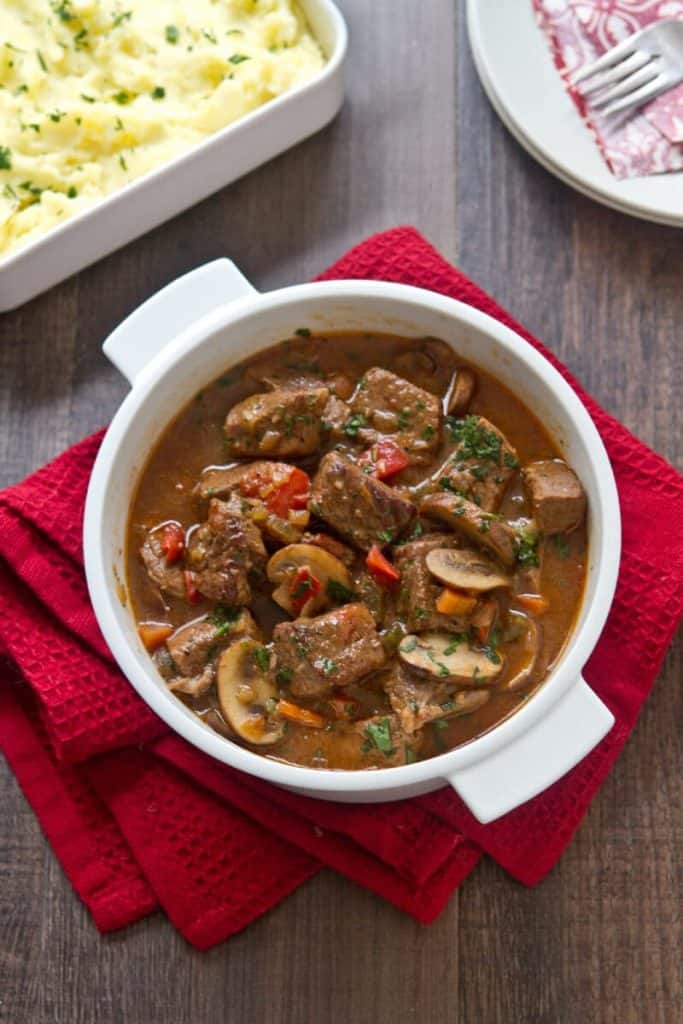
94	94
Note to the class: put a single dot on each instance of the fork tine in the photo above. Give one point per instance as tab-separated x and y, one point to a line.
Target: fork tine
618	53
636	61
629	85
641	96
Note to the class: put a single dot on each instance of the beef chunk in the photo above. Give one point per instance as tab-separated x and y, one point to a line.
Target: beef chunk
224	481
336	415
168	578
279	423
556	494
480	464
360	508
384	742
416	701
418	590
385	404
335	649
482	528
191	644
222	551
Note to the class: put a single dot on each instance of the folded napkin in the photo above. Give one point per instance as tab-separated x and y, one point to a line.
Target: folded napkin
649	141
140	820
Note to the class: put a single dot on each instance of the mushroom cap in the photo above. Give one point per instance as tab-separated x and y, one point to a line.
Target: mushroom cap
324	566
450	658
243	692
465	569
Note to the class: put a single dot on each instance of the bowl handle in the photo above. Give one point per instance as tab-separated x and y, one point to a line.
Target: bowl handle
537	758
163	316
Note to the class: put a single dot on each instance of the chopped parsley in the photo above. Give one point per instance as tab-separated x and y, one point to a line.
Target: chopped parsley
56	116
284	676
122	161
404	419
386	536
223	617
408	645
72	192
41	60
474	440
303	332
492	654
122	98
445	484
510	461
172	34
262	658
328	666
302	588
338	592
120	18
5	158
62	11
452	647
237	58
428	432
80	39
378	735
527	548
158	93
354	424
210	36
88	99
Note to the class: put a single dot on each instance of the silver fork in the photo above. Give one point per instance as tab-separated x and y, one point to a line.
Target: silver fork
638	69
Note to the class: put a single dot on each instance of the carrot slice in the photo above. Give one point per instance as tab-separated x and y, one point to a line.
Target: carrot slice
153	634
301	716
537	604
454	602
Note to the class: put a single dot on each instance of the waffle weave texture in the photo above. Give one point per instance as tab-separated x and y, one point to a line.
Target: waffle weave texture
142	821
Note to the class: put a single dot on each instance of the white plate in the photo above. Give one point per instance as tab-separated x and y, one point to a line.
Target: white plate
167	190
517	72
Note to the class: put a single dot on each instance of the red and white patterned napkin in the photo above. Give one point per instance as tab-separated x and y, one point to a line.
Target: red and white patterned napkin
649	141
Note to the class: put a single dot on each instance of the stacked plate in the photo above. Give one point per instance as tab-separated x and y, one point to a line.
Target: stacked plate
521	81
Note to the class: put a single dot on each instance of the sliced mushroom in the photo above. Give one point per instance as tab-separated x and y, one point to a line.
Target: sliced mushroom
450	659
244	691
460	392
531	643
286	562
465	569
483	528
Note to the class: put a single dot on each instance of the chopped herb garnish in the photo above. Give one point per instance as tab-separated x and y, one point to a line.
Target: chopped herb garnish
303	332
386	536
122	98
527	548
120	18
262	658
122	161
448	706
328	666
408	645
439	723
421	613
158	92
5	158
474	440
404	419
72	192
339	593
484	525
62	10
302	588
80	39
479	473
209	35
284	676
172	34
492	654
88	99
510	461
446	485
428	432
455	643
9	192
379	735
223	617
354	424
56	116
237	58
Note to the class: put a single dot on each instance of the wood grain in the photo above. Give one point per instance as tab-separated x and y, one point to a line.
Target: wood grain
599	940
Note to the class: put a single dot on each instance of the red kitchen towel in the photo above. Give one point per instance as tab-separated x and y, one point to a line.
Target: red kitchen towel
166	826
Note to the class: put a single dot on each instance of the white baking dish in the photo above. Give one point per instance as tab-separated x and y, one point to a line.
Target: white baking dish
168	190
195	329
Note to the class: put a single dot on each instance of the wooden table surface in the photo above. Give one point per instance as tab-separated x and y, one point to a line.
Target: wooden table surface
600	939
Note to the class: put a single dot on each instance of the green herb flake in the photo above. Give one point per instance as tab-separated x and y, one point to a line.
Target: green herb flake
303	332
262	658
474	440
404	419
72	192
379	736
492	654
238	58
62	11
5	158
119	19
510	461
210	36
223	617
88	99
172	34
158	93
428	433
386	536
328	666
354	424
122	161
339	593
527	548
122	98
408	645
284	676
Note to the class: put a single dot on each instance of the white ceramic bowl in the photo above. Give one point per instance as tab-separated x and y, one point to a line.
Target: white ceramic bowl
192	331
174	186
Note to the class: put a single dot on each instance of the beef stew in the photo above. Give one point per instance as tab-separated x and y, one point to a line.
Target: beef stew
355	551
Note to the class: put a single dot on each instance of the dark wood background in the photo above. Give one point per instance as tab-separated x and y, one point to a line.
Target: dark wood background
600	939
